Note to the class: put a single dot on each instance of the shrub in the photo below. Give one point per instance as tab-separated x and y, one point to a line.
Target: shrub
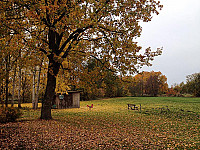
9	114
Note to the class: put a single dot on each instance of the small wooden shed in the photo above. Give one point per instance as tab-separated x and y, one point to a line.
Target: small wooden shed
70	100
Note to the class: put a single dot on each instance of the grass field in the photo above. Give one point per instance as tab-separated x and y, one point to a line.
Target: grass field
162	123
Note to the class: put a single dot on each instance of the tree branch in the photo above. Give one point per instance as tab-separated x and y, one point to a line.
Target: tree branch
61	16
111	44
73	37
103	63
42	50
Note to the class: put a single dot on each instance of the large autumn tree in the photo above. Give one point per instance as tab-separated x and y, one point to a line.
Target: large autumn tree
102	29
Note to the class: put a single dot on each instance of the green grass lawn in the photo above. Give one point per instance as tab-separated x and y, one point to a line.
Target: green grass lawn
162	123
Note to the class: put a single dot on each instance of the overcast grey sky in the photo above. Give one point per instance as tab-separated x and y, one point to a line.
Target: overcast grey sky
177	30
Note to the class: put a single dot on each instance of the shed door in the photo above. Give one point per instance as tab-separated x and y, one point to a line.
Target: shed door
76	100
69	100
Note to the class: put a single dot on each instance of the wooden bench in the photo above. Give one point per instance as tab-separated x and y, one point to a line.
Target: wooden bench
133	107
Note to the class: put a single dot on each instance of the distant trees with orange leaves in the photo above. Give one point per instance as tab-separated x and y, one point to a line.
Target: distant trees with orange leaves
104	83
148	84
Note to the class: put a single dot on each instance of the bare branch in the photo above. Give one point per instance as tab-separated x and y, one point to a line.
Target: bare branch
111	44
103	63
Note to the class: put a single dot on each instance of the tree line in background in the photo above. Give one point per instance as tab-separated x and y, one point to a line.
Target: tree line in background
26	83
97	83
24	80
190	88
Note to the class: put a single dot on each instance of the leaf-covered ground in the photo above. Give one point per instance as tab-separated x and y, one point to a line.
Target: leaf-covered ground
163	123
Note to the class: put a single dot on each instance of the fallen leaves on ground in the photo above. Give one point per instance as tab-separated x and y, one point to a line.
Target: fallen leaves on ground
106	126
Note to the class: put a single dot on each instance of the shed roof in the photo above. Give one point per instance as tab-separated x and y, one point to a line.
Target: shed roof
69	92
73	91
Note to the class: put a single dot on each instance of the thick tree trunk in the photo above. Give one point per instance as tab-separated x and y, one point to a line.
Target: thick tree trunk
53	69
